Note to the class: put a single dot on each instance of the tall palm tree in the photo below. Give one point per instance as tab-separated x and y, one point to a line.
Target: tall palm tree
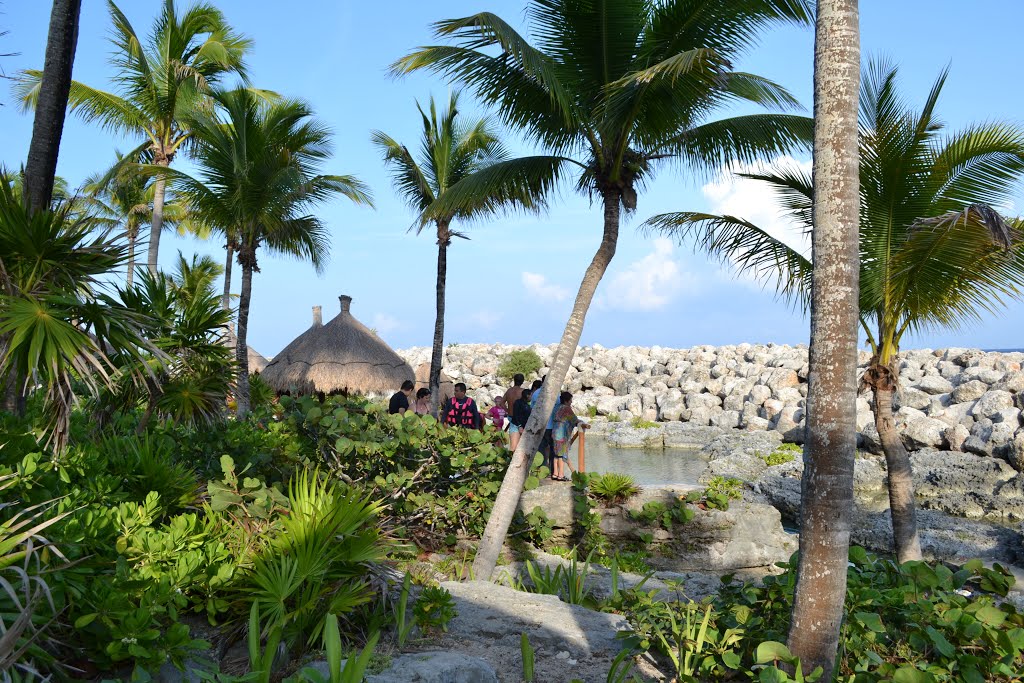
123	196
257	181
613	90
450	152
54	82
826	502
932	251
160	83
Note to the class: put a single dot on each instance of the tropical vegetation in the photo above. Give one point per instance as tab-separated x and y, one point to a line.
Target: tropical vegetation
161	505
611	108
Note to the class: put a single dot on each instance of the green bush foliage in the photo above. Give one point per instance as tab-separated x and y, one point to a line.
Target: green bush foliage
525	361
640	423
915	622
434	609
785	453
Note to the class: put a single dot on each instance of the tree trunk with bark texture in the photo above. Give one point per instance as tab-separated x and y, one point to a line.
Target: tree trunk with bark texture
247	259
157	224
512	486
225	301
901	476
130	276
443	240
48	125
827	495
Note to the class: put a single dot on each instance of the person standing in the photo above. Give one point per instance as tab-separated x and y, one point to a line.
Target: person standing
515	392
520	415
461	410
565	422
498	413
421	406
399	403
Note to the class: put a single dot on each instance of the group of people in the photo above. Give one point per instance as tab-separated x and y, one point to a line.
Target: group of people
510	413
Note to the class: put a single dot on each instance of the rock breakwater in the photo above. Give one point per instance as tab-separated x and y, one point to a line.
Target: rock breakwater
950	399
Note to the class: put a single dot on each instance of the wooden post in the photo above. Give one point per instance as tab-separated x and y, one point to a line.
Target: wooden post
580	460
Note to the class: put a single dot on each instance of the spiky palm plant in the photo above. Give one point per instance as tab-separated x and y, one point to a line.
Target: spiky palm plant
934	253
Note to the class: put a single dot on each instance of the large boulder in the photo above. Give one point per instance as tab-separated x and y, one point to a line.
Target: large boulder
934	385
991	403
924	432
969	391
499	614
435	667
627	436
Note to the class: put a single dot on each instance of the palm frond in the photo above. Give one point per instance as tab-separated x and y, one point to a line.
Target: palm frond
744	247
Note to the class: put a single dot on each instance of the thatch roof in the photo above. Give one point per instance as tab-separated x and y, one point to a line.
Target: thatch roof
257	362
342	355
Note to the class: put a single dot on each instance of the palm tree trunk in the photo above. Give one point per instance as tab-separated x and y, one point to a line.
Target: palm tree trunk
901	476
512	486
48	125
157	224
131	258
247	262
443	240
827	495
226	299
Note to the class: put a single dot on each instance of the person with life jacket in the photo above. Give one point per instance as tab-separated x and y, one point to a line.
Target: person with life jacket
461	410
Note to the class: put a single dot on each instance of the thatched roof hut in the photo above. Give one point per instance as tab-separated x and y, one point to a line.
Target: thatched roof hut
341	356
257	362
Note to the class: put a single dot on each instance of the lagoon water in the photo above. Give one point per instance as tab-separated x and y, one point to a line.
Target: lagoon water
648	467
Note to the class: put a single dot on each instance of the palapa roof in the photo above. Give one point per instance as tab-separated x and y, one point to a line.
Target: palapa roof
343	355
256	361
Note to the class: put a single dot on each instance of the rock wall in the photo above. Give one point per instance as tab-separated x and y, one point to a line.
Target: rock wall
952	399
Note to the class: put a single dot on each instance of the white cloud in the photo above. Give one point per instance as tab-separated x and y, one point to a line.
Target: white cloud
486	319
384	323
537	285
649	283
756	201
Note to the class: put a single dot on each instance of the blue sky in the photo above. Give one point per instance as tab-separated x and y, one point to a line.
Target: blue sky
515	279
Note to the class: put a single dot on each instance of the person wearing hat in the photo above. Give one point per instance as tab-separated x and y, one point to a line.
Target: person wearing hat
421	406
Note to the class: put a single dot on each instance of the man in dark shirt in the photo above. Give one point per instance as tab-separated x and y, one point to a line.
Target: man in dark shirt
399	403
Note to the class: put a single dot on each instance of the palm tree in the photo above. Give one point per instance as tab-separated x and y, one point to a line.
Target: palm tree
449	153
161	83
54	81
932	251
611	89
256	182
826	503
123	196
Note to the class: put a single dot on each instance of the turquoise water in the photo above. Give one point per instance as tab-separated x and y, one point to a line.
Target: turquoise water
648	467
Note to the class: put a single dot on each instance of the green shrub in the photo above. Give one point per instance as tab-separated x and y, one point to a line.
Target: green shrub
613	487
640	423
523	361
787	452
433	609
915	622
591	411
614	417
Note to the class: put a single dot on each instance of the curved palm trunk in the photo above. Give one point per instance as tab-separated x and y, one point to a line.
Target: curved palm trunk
248	262
48	125
827	495
512	486
901	476
157	224
226	298
443	240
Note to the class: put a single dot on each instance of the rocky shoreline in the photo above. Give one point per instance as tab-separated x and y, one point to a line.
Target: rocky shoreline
951	399
959	411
